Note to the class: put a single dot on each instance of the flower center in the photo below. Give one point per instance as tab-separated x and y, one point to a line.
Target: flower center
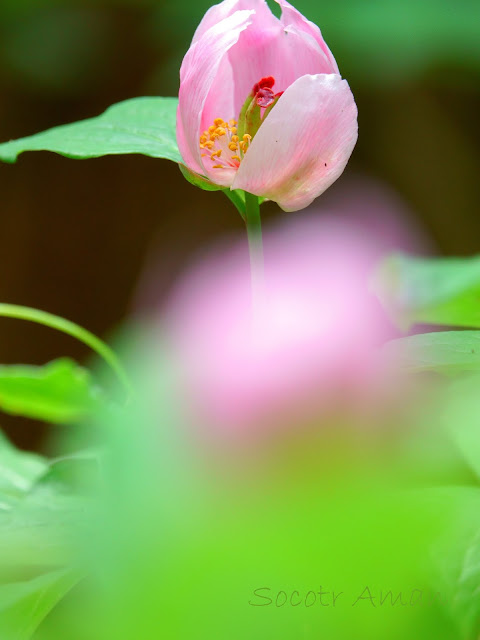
226	143
221	144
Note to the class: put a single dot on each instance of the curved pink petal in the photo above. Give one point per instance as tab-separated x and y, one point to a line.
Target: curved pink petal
219	12
268	48
199	71
304	144
290	16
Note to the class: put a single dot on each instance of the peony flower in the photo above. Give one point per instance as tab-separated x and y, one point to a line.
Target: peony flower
262	106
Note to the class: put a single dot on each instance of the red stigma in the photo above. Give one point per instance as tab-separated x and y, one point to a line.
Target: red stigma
262	91
264	83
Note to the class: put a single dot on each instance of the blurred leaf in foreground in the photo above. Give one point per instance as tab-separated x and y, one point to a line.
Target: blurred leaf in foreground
59	392
460	413
443	291
42	517
24	605
448	352
456	556
18	470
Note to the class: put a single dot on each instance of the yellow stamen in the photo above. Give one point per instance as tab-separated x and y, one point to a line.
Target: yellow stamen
236	147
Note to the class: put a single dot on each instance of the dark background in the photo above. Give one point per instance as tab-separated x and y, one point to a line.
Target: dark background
75	236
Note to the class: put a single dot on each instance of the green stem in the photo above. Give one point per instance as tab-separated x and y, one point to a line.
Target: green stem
71	329
255	245
237	200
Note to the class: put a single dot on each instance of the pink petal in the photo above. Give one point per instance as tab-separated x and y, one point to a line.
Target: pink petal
198	73
219	12
290	16
304	144
268	48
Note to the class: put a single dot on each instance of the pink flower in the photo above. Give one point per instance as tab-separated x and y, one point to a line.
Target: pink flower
310	348
262	106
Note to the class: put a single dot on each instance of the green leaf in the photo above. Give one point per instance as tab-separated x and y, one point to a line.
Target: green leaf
448	352
42	519
58	392
457	556
198	180
45	508
46	319
19	471
459	410
141	125
24	605
42	528
443	291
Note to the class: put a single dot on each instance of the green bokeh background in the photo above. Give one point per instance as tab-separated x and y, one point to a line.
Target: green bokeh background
75	236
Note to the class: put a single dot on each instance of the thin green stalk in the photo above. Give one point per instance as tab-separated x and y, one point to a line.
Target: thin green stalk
236	198
72	329
255	245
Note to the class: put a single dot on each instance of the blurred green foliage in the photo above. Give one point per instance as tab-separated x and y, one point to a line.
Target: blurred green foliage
185	533
59	392
441	291
183	536
39	520
447	352
189	531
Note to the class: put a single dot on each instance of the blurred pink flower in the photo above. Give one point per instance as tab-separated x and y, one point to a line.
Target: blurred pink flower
311	342
251	82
